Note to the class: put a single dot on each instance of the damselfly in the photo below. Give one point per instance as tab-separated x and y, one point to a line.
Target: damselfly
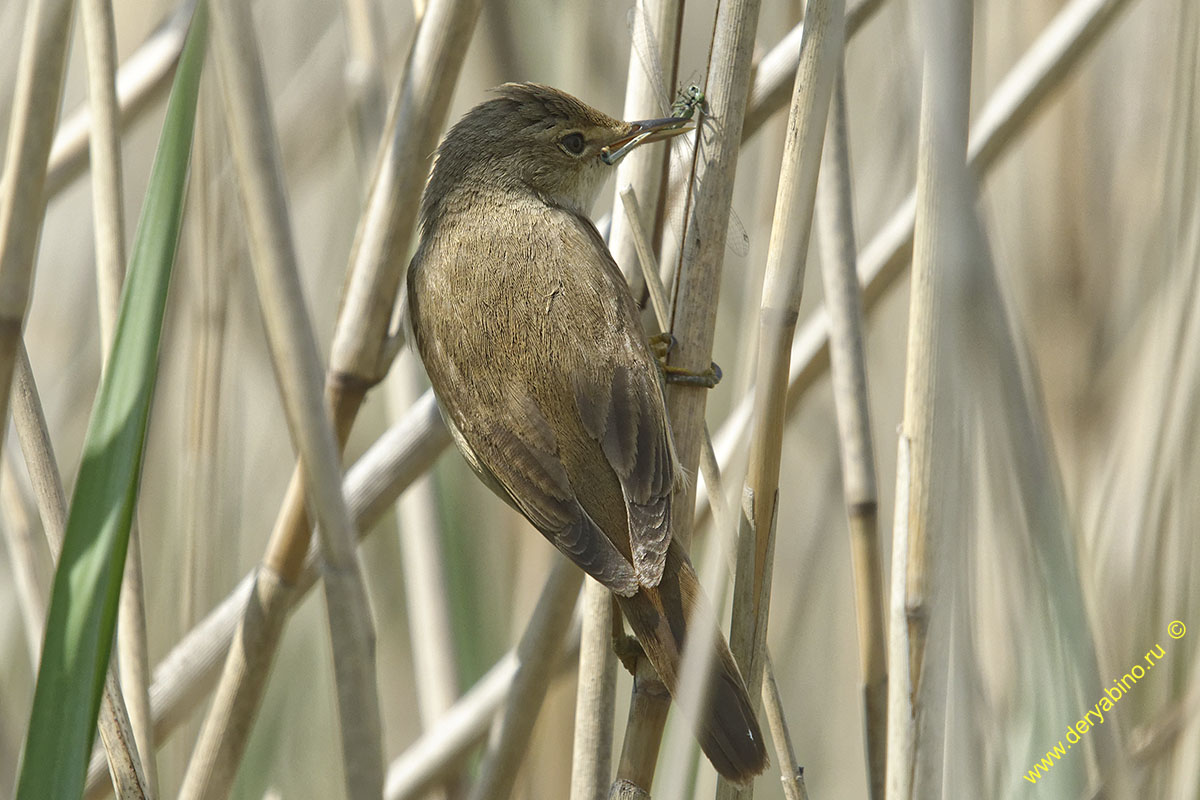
690	102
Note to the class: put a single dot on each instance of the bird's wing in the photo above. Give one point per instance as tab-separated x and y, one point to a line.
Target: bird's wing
622	407
623	411
515	451
566	467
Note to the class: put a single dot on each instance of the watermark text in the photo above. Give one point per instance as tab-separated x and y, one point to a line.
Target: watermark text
1094	716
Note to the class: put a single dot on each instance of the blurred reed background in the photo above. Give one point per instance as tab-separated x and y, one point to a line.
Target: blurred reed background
1063	483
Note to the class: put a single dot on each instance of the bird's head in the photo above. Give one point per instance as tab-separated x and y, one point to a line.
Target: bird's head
533	138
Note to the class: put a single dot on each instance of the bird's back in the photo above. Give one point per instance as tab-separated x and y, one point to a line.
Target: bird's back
526	314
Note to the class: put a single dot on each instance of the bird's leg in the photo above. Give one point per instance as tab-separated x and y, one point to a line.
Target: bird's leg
662	344
627	648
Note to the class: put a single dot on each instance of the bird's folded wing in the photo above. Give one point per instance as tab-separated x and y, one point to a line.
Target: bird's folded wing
518	448
623	410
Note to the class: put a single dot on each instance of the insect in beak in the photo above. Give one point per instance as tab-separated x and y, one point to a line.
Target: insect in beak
643	132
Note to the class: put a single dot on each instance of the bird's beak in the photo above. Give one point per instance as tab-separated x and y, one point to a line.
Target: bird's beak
642	132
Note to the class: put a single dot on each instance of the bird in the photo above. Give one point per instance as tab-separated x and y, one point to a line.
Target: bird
534	348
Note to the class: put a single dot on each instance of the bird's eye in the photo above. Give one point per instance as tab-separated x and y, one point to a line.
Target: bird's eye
572	143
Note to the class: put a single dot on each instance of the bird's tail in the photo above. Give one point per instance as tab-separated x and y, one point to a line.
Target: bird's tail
723	720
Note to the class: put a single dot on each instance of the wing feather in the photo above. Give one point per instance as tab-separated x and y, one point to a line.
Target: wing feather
623	408
517	448
625	413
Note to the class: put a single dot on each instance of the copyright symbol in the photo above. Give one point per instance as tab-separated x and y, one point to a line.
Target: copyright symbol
1176	630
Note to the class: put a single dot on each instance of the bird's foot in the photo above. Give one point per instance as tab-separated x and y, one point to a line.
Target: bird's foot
662	344
706	379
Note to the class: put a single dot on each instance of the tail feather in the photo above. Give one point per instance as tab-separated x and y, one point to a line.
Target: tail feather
723	720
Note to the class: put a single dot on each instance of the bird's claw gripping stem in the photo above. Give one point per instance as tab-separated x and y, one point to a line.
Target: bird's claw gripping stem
706	379
662	344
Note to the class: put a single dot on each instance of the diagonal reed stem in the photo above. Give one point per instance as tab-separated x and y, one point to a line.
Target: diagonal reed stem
299	373
362	348
542	638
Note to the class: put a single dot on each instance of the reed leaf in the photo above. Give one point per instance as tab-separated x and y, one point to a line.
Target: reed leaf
83	603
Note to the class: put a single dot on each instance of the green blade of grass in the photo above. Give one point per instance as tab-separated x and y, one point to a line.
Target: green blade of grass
83	602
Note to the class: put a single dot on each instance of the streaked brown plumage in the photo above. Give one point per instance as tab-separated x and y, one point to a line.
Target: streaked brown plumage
544	374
